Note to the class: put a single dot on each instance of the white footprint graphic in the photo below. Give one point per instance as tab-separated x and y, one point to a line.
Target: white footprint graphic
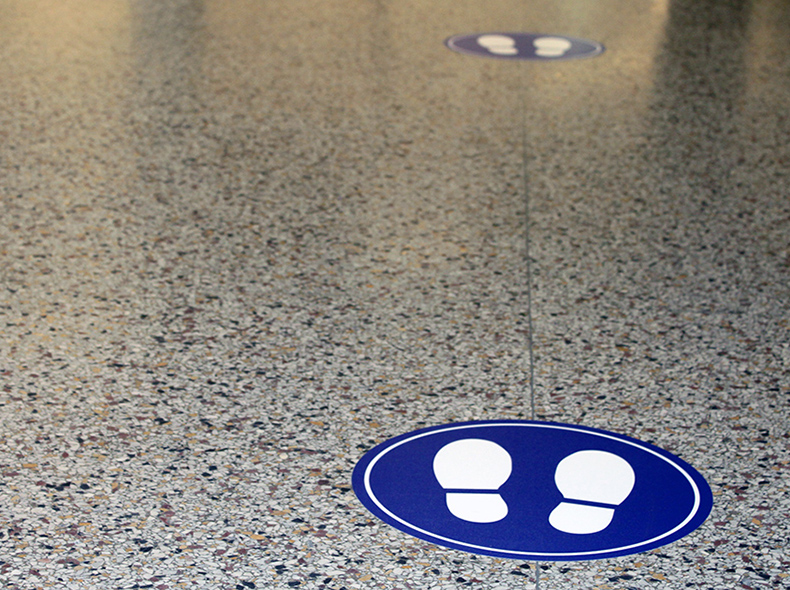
597	477
498	44
470	471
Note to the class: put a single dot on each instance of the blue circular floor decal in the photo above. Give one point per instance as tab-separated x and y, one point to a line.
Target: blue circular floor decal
530	46
532	490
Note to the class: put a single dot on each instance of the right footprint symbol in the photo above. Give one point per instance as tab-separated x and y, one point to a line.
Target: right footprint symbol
593	483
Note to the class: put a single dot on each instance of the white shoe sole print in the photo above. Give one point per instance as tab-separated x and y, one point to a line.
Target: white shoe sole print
594	477
471	471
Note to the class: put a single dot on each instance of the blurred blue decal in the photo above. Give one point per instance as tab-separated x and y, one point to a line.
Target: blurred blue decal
524	46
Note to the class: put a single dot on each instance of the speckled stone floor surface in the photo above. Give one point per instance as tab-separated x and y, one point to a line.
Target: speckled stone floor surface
242	242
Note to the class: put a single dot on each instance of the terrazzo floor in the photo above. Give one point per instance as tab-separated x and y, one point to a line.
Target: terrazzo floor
242	242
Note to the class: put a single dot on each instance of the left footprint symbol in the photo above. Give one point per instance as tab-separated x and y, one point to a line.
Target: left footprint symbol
471	470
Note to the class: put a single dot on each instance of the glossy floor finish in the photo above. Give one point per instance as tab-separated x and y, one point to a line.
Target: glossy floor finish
244	241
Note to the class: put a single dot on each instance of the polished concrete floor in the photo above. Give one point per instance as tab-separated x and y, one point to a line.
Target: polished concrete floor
242	242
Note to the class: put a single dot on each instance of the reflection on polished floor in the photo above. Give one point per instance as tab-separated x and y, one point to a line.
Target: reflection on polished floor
241	243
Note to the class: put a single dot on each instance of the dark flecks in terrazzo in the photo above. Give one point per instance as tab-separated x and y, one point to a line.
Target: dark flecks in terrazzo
203	331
